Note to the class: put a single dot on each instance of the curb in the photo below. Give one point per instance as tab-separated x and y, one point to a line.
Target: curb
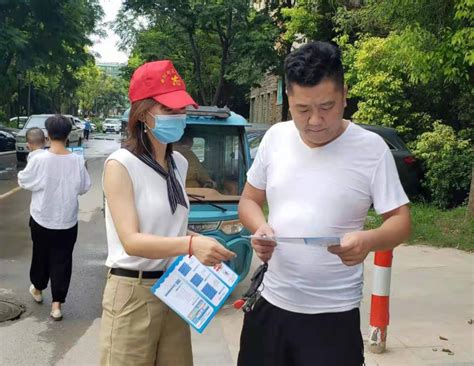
7	152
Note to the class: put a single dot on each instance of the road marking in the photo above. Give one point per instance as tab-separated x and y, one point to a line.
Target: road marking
9	193
7	153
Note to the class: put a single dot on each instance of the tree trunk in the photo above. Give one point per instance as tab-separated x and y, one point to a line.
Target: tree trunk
226	39
220	85
197	68
470	206
284	104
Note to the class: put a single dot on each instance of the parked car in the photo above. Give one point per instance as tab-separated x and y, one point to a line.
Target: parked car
124	123
11	130
255	133
18	121
78	123
37	120
409	169
112	125
7	141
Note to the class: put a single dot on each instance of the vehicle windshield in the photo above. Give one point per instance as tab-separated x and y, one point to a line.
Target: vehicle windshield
36	121
112	121
216	165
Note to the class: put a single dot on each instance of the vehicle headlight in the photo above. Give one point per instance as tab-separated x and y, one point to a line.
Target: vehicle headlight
231	227
21	139
200	228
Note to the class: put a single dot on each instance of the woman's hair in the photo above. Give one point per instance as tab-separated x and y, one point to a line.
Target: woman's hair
58	127
138	142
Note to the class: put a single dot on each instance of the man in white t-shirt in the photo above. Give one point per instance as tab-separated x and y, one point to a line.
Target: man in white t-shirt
320	174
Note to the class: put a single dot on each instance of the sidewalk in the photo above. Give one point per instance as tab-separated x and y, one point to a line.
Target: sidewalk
431	297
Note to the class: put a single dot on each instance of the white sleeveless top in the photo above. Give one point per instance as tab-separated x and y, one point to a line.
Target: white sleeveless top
153	209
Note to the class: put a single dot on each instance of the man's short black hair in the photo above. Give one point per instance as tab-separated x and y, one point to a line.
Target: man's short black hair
58	127
35	136
312	63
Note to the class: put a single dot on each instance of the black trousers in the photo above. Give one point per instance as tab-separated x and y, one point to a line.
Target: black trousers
52	259
86	134
275	337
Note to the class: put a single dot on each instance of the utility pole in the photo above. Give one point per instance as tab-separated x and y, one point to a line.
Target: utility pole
29	94
18	76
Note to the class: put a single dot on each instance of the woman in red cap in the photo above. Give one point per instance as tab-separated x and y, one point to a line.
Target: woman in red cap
146	221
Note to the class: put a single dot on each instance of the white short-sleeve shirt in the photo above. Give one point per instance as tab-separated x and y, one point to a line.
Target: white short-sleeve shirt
56	182
153	209
323	191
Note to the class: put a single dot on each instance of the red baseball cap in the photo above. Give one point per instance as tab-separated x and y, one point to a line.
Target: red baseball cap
160	80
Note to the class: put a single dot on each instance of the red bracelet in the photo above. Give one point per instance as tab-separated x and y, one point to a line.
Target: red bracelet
190	250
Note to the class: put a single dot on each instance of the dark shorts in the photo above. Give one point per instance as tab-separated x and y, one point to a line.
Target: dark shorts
275	337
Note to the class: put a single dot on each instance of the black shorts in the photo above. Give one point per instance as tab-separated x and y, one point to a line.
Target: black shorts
275	337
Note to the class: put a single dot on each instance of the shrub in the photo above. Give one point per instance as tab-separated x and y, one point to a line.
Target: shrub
447	158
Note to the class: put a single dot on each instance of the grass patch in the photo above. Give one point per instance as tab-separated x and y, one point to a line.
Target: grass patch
435	227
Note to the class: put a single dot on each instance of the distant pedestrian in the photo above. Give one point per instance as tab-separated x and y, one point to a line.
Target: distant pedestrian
87	129
56	178
35	141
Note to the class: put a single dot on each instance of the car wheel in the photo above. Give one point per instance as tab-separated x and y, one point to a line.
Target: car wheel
21	156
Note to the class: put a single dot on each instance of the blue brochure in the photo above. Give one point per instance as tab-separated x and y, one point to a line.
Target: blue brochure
194	291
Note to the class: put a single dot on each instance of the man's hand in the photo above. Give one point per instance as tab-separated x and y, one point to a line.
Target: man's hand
354	248
264	248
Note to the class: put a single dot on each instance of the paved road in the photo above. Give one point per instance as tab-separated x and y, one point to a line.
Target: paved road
432	294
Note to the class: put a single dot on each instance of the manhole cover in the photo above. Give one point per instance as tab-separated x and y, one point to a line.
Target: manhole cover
10	310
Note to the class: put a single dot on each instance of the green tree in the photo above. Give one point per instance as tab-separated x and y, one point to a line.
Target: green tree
45	37
298	22
98	93
448	159
425	47
409	66
216	45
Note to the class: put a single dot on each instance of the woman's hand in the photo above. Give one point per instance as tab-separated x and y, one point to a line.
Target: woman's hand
209	251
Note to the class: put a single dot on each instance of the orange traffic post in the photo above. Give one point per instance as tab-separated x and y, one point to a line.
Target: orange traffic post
379	308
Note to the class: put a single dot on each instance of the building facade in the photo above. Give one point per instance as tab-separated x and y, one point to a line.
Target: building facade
266	101
111	68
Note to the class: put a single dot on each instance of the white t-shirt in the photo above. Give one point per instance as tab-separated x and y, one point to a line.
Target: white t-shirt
324	191
153	209
33	153
56	182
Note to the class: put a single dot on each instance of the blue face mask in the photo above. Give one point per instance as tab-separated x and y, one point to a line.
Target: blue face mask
168	128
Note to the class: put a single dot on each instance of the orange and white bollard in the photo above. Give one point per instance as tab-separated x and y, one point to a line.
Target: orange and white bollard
379	308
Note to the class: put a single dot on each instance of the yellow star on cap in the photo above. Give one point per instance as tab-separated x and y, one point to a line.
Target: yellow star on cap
175	80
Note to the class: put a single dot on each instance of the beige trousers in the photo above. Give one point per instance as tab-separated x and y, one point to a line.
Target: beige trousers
139	329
